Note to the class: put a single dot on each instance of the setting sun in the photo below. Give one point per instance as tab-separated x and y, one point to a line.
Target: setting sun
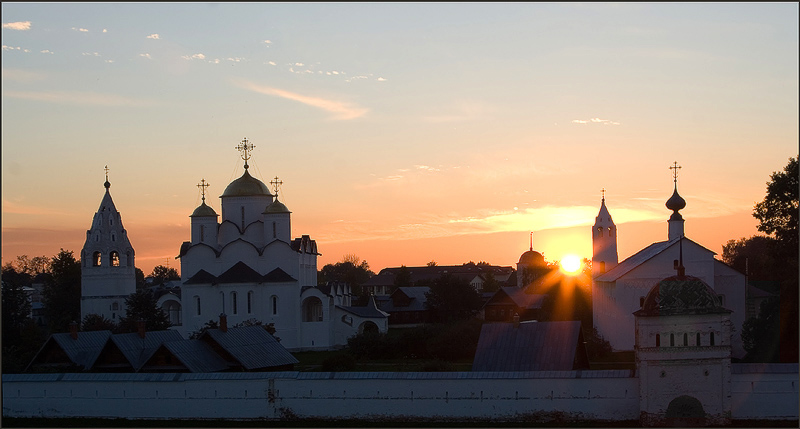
571	264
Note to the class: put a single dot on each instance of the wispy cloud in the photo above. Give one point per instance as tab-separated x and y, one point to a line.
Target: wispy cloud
154	36
268	42
194	57
19	25
146	56
77	98
341	110
595	121
80	30
15	48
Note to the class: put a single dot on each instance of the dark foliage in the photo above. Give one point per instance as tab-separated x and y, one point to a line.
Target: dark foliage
96	322
142	305
449	342
339	362
350	270
62	291
596	346
452	298
163	274
761	334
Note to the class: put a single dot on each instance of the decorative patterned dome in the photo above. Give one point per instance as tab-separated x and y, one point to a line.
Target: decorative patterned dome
203	210
276	207
246	186
532	258
681	295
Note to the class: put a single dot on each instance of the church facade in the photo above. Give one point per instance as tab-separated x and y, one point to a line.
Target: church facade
619	289
244	264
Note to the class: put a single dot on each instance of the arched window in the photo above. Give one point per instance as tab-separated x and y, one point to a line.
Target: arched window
128	259
173	310
685	339
711	339
672	340
222	301
274	230
599	231
197	304
249	302
312	310
202	232
234	304
113	237
242	218
658	340
96	259
697	339
115	306
114	258
274	302
111	221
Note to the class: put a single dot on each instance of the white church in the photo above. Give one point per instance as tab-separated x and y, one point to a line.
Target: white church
619	288
244	265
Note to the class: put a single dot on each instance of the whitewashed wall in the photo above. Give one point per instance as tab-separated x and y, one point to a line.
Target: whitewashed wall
456	395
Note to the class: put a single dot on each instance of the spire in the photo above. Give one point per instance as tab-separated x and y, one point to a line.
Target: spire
531	241
675	203
245	147
107	184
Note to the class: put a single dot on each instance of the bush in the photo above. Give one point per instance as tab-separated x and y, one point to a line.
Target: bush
339	362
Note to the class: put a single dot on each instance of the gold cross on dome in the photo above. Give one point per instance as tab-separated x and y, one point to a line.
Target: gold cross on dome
245	147
203	185
675	167
106	169
276	184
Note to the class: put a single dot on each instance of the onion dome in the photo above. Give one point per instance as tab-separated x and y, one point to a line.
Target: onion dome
203	210
675	203
678	295
246	186
276	207
531	258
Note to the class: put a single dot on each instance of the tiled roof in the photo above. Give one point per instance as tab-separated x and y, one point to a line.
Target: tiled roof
239	273
277	276
528	346
196	355
641	257
138	350
252	346
416	295
201	277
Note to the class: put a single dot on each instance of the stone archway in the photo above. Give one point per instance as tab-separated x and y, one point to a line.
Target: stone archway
685	411
368	327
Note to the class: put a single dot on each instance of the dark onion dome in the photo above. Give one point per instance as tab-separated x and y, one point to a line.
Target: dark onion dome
675	203
203	210
246	186
681	295
532	258
276	207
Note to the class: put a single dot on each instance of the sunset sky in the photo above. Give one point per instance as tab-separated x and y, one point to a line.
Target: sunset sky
403	133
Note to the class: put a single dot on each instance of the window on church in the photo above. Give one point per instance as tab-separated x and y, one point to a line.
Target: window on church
685	339
202	232
641	301
249	302
128	259
274	305
111	221
672	340
711	339
115	306
312	310
658	340
242	218
197	304
114	258
721	300
234	305
222	301
96	259
113	237
697	339
600	231
274	230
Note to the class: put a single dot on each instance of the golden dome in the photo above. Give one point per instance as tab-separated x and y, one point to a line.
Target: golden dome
246	186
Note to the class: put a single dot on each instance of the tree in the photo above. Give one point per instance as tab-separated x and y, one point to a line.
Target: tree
140	282
16	305
350	270
753	256
61	296
778	213
452	298
490	284
142	305
403	278
162	274
33	266
760	335
96	322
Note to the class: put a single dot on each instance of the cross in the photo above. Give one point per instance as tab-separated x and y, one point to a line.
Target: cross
276	184
106	169
675	167
531	240
245	147
203	185
604	193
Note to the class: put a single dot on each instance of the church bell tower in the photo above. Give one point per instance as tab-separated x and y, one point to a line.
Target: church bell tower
604	241
108	274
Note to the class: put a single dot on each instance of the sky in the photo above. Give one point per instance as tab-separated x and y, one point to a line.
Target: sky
403	133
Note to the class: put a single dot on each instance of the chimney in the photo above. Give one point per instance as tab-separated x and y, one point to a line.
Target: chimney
73	330
140	325
516	320
223	322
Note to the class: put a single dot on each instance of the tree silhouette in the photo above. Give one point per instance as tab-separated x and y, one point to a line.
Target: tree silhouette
452	298
142	305
62	291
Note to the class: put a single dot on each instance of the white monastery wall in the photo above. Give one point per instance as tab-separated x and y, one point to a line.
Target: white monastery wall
567	394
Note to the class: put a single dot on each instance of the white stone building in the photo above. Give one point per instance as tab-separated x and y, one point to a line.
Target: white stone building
108	273
246	266
619	289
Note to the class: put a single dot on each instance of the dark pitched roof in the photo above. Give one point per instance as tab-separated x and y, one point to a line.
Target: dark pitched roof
252	346
196	355
416	296
521	299
641	257
201	277
240	273
82	351
276	276
370	310
529	346
138	350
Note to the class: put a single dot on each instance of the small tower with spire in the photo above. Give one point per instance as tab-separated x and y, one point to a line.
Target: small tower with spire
675	203
108	273
204	220
277	218
604	241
